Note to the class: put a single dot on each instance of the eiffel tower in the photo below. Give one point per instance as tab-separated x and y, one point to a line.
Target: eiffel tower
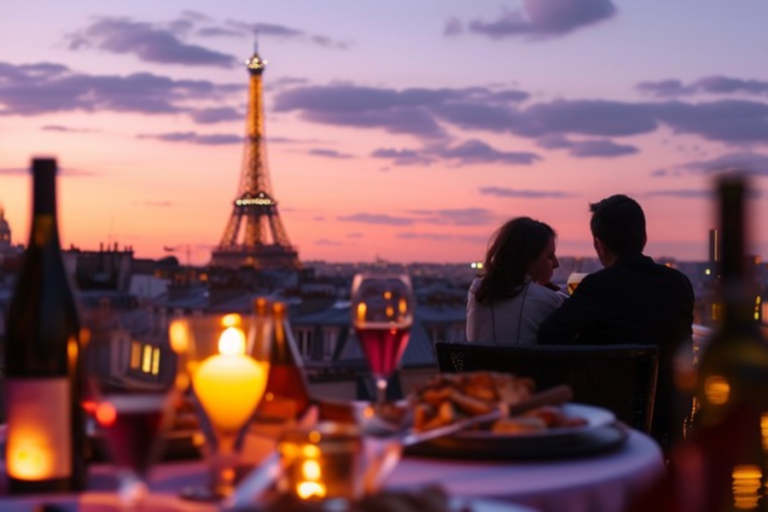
264	242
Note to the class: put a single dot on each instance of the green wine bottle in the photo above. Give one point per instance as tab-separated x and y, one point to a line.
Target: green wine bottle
730	437
46	429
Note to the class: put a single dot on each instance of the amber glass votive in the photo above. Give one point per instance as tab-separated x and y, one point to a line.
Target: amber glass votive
322	462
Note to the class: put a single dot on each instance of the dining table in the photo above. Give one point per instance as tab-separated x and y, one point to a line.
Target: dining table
599	482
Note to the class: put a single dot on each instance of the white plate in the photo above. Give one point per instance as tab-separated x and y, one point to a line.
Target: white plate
601	433
595	416
475	505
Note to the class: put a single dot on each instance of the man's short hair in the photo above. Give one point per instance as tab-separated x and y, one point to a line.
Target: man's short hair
619	222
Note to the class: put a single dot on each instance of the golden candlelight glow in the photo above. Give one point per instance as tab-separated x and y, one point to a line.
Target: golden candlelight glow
182	381
311	470
308	490
390	312
198	439
362	309
232	342
323	462
230	320
29	457
37	448
72	349
387	295
230	385
717	390
177	332
746	486
310	486
402	306
310	451
764	431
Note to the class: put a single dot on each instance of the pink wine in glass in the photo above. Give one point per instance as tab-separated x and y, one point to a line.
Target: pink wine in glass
383	346
131	425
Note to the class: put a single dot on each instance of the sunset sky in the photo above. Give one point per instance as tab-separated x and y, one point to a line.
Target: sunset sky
406	130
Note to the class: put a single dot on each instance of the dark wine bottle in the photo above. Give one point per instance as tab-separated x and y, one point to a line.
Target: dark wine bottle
726	459
287	396
46	428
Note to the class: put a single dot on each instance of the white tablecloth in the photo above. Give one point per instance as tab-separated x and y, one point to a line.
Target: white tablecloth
602	483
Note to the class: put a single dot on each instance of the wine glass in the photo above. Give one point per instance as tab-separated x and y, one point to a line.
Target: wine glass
129	395
574	279
228	373
382	314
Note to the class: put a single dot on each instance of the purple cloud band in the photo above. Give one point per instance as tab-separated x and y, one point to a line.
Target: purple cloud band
539	19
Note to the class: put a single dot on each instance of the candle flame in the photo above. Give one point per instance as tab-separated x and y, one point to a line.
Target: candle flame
27	459
311	469
307	490
232	342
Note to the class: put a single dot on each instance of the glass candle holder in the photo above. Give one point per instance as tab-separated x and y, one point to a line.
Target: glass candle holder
322	462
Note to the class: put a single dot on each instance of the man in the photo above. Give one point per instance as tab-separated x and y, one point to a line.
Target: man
633	300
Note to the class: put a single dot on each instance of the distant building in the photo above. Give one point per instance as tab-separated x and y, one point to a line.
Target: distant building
10	254
5	232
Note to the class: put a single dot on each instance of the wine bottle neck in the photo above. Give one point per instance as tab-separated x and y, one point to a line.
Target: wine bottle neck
44	226
44	187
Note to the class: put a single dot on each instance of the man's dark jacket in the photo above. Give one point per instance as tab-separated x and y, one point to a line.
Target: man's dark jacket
634	301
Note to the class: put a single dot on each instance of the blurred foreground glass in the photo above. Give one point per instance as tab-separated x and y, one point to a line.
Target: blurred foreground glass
129	395
382	315
228	372
574	280
324	462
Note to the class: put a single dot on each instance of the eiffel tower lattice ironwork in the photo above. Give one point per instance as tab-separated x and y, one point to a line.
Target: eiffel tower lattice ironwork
255	236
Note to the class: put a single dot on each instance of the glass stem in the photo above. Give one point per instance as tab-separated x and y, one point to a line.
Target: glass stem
223	466
132	491
381	391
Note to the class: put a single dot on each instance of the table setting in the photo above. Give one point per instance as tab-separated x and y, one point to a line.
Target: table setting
479	441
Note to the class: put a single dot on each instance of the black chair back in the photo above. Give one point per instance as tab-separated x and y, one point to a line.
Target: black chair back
621	378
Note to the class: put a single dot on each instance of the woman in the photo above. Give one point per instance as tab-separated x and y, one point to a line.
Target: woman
508	304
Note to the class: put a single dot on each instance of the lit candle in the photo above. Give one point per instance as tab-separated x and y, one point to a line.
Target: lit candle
322	462
230	384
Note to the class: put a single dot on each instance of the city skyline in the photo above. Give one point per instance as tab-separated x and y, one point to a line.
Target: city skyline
406	132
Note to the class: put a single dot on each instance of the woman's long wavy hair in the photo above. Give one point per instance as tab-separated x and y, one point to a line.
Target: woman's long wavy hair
512	249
